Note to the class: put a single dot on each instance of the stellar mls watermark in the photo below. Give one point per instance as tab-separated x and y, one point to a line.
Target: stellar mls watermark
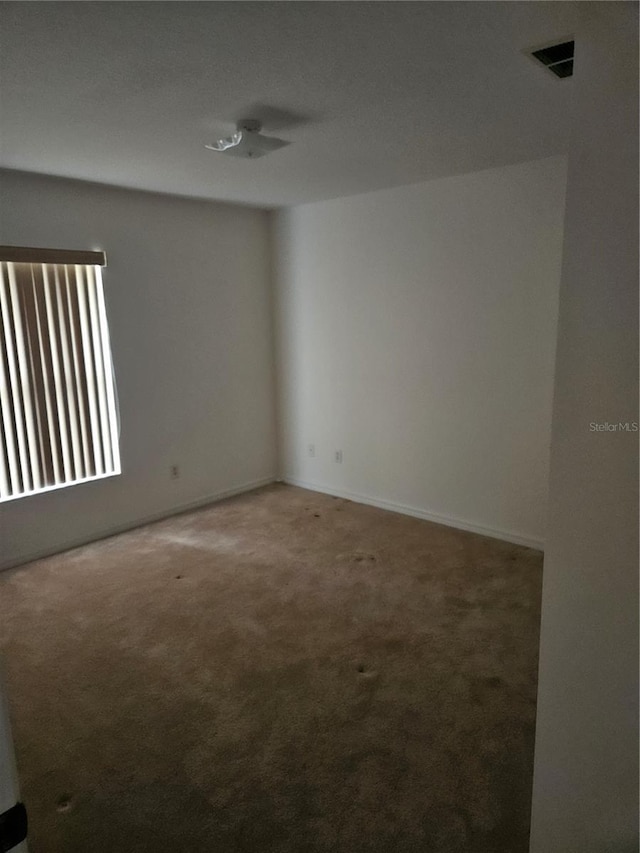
616	426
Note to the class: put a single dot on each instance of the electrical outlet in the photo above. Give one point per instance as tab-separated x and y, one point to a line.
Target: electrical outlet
311	450
337	456
174	471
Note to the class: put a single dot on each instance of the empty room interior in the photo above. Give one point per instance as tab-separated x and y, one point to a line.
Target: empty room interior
319	461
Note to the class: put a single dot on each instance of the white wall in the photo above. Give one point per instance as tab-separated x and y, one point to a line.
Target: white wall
188	301
416	332
585	797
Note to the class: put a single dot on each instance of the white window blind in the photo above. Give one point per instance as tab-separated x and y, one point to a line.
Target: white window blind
57	392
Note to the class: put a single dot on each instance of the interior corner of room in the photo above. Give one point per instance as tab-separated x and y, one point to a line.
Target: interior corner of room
411	338
427	325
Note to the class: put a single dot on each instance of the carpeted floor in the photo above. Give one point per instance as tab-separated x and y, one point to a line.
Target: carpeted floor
283	671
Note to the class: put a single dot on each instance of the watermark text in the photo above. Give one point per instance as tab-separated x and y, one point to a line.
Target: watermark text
618	426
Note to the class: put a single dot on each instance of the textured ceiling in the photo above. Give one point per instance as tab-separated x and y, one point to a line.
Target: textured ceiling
371	95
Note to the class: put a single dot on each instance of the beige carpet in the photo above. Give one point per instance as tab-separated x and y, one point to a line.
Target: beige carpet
284	671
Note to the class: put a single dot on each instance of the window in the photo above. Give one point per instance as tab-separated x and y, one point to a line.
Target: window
59	410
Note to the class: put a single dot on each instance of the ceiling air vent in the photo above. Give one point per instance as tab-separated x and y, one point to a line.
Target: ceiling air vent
558	58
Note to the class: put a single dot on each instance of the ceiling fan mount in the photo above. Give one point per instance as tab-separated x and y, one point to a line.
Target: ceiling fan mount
247	141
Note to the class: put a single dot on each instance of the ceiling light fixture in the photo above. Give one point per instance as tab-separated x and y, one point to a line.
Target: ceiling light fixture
247	141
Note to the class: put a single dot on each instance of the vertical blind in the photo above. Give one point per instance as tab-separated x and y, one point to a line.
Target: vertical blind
57	391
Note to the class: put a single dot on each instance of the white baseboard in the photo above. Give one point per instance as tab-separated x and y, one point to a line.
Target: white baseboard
138	522
448	521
